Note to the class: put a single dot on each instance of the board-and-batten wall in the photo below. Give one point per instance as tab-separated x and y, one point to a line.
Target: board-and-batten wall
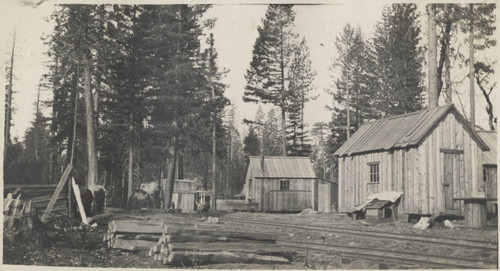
417	172
303	194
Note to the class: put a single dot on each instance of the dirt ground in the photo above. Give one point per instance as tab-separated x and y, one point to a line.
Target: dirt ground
61	251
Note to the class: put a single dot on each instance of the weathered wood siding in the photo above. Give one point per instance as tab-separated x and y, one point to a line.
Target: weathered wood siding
301	195
417	172
325	196
184	201
491	186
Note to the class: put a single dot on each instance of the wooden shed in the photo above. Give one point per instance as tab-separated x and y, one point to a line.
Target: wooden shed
432	156
287	184
490	168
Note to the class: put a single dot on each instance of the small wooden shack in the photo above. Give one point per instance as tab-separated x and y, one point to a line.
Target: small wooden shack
286	184
432	156
490	168
187	197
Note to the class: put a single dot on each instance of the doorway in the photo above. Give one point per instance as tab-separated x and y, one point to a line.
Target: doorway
453	165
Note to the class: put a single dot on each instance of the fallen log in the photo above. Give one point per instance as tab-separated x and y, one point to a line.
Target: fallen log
190	258
256	248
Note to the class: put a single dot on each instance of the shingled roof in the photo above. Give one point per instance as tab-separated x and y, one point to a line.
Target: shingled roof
490	138
282	167
403	131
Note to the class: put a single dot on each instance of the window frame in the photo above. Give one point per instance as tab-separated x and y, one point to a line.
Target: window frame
374	176
284	185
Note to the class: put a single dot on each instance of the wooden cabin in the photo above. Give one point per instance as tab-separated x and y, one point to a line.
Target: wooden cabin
285	184
432	156
490	168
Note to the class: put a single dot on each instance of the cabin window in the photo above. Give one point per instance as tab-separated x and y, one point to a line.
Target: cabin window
284	185
374	173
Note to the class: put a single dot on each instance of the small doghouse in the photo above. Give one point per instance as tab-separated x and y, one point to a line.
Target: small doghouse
379	211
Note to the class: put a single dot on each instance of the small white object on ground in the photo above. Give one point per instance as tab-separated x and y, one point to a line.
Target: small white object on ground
308	211
448	224
212	220
422	224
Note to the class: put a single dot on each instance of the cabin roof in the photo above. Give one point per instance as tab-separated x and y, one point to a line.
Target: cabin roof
282	167
490	138
403	131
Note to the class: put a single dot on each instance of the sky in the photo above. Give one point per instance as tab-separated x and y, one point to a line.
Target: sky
234	33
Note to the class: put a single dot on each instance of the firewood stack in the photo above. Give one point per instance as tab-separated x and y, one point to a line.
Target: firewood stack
191	244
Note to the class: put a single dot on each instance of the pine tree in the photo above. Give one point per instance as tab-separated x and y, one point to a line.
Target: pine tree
301	78
355	84
251	142
399	59
272	52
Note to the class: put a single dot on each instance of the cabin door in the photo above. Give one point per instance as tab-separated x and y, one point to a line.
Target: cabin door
453	165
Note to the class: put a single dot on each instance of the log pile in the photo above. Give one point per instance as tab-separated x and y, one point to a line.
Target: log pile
191	244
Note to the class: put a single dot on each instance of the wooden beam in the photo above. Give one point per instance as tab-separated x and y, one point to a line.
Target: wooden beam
55	196
76	190
187	258
451	151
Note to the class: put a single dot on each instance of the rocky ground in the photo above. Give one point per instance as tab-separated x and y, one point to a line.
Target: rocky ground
88	250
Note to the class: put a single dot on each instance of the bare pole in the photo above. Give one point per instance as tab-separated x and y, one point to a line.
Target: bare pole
130	162
471	69
214	157
348	106
432	39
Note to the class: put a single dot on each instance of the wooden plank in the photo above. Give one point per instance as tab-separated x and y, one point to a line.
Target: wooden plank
453	133
467	166
451	151
439	171
6	203
189	258
58	190
431	161
257	248
133	245
78	198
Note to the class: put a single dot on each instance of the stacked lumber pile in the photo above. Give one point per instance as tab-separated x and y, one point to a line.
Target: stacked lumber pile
39	195
191	244
133	235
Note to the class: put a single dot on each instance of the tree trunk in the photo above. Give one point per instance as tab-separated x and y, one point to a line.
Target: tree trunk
214	159
283	130
130	162
8	99
433	98
89	116
205	170
180	165
447	78
169	188
471	69
71	200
